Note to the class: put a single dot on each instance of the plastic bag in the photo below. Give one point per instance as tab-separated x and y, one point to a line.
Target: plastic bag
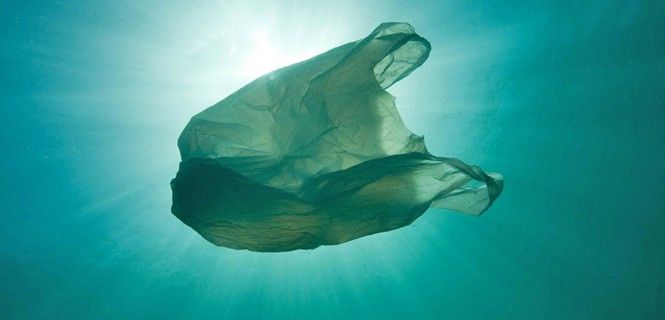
316	154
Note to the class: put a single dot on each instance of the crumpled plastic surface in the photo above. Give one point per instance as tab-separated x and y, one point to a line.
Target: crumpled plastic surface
316	154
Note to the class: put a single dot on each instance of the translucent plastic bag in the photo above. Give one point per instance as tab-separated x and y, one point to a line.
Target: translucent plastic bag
316	154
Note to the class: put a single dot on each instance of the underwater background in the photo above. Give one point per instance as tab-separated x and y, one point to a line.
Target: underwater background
564	98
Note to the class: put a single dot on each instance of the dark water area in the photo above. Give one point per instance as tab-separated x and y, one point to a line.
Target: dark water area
565	99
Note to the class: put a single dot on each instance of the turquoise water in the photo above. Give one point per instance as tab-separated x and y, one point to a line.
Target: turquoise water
564	99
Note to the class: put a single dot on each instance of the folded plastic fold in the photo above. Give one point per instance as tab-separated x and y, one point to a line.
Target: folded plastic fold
316	154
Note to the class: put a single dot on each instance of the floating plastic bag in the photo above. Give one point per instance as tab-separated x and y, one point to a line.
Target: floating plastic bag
316	154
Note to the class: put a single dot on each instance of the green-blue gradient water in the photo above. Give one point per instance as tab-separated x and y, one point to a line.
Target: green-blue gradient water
564	98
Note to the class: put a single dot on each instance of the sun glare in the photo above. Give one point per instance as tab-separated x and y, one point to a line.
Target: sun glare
262	58
266	54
